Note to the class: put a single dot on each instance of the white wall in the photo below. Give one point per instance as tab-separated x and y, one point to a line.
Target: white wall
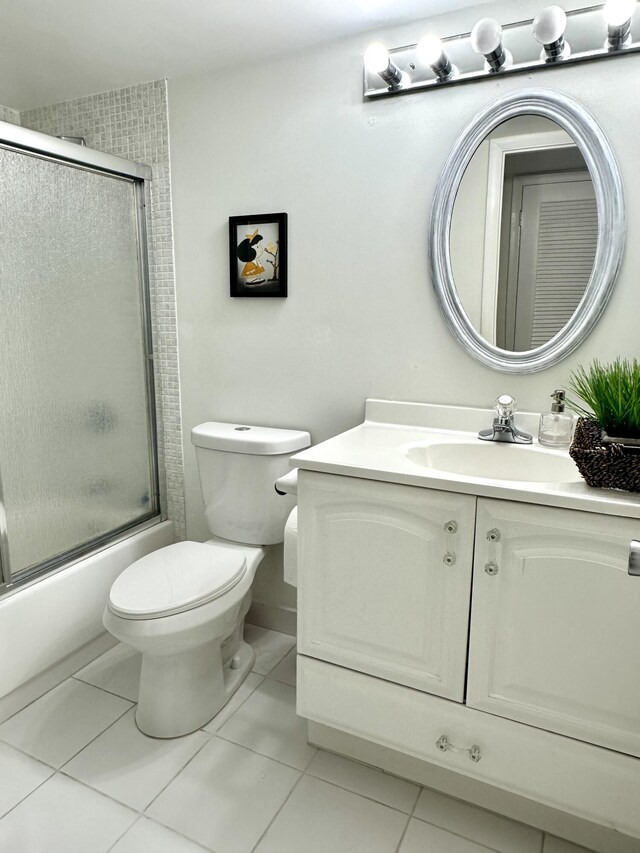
357	181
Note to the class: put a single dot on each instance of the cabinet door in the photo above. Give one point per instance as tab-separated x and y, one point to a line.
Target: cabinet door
555	626
384	579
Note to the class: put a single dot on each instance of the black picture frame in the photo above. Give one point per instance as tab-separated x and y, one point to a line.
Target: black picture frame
258	255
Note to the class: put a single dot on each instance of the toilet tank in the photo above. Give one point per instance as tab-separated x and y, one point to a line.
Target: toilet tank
238	467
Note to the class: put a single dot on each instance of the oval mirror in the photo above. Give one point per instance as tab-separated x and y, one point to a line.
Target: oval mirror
527	231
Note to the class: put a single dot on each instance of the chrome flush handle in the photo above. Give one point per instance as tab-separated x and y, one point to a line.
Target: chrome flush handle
634	558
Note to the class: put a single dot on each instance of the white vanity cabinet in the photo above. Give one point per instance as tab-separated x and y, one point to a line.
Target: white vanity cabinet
555	625
541	698
386	579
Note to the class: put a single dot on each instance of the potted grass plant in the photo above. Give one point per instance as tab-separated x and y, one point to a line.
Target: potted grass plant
606	444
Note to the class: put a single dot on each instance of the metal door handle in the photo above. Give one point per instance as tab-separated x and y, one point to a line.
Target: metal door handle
474	752
634	558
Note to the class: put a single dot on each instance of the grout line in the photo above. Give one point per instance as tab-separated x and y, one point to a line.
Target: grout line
104	689
120	837
127	805
88	743
277	814
42	695
142	817
371	799
403	834
99	793
233	713
28	754
64	763
26	796
262	754
464	837
409	819
175	775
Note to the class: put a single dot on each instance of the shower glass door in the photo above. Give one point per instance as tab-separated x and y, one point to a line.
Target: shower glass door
77	433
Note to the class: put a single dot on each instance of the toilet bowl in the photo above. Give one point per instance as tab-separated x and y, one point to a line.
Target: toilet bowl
183	606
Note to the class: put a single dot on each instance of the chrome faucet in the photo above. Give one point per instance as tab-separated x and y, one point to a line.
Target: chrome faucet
503	428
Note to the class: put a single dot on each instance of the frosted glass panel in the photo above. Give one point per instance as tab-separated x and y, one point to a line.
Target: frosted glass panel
74	423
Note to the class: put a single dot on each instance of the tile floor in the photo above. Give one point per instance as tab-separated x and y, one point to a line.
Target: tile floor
76	776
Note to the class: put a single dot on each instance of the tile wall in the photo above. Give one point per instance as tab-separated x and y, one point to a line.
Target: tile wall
133	123
7	114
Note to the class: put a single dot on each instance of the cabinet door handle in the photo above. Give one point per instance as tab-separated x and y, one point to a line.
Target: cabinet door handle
444	745
634	558
451	526
491	568
449	559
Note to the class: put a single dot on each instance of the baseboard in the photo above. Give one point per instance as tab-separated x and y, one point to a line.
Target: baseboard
589	835
36	687
274	617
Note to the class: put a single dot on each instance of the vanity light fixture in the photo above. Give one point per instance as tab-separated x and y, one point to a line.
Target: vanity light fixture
618	14
431	52
486	39
377	60
548	30
495	47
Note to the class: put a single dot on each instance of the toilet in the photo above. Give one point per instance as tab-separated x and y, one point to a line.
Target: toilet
183	606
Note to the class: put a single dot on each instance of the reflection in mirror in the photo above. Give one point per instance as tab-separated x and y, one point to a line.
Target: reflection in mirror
524	233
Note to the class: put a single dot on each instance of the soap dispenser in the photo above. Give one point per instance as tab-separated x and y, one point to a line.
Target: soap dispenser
556	426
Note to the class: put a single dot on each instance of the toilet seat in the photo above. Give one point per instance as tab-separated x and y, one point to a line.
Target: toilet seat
174	579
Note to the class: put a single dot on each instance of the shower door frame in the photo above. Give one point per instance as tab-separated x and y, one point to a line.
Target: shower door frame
36	144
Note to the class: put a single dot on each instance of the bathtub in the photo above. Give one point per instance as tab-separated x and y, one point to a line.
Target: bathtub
52	627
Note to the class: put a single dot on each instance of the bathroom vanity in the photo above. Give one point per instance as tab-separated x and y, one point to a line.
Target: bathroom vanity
468	604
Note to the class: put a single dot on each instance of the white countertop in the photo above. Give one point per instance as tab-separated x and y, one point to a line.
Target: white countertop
377	450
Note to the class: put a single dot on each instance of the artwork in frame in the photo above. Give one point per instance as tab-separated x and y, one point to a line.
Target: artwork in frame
258	254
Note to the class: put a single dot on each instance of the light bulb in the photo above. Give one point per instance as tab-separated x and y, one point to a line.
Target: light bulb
378	61
429	49
618	12
486	36
376	58
550	25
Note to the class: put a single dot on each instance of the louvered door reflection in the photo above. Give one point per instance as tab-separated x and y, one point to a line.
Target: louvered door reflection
558	241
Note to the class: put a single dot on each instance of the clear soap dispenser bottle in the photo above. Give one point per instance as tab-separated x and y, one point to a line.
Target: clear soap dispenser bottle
556	426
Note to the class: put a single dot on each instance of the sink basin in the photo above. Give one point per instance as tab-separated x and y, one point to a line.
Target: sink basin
497	461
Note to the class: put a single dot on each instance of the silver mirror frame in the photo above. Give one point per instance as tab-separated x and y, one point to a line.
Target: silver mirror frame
607	183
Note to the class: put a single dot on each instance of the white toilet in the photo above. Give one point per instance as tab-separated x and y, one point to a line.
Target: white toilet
183	606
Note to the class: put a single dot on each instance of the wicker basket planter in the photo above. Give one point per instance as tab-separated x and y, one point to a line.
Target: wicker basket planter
605	465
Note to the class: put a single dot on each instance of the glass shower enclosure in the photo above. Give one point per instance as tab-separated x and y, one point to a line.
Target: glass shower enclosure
78	458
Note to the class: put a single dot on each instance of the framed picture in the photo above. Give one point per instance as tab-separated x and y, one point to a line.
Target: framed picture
258	254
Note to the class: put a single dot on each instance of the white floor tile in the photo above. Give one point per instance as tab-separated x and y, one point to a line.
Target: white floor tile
225	798
320	818
267	723
424	838
62	816
243	692
559	845
478	825
19	776
145	836
63	721
270	647
368	781
286	669
117	671
129	766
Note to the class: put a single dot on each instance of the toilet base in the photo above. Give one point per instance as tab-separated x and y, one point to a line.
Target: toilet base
180	693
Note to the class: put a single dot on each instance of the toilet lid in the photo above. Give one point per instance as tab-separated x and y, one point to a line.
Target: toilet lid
176	578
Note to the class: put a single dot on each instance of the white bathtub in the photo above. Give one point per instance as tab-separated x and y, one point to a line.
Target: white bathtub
51	628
